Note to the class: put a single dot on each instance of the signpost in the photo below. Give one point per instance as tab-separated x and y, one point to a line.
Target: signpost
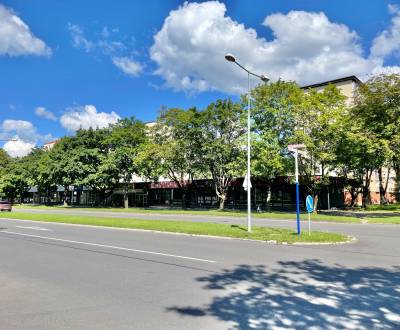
310	209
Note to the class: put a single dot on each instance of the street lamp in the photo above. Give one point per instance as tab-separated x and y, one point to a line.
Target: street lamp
295	149
231	58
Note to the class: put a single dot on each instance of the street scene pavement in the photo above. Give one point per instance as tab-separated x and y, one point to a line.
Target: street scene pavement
60	276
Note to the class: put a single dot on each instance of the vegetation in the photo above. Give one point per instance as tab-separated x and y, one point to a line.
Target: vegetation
184	145
211	213
196	228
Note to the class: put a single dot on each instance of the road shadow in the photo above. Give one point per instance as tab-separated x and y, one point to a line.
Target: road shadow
299	295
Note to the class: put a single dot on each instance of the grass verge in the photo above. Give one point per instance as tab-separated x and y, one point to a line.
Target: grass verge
384	220
230	213
198	228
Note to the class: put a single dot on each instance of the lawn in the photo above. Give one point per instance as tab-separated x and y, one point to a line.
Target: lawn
384	220
259	233
389	207
231	213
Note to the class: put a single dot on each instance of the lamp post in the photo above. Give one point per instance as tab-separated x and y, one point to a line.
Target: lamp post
295	148
231	58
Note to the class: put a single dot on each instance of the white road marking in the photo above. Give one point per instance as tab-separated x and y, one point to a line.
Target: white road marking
34	228
109	246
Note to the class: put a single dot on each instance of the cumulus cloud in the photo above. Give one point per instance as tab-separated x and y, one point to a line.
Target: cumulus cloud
86	117
16	38
42	112
22	136
21	129
388	42
18	148
128	66
306	47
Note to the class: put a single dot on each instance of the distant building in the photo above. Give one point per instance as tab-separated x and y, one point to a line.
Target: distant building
346	85
49	145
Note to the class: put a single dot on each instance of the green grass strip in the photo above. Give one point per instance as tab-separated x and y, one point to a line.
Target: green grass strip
383	220
199	228
230	213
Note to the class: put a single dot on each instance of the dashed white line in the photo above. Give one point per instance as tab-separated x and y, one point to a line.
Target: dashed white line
110	247
33	228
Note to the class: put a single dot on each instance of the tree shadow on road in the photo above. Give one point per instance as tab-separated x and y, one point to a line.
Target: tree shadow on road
302	295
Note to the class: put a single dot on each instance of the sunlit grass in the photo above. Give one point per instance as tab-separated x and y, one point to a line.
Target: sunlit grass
278	235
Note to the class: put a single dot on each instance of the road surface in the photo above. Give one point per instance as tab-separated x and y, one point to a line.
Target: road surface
58	276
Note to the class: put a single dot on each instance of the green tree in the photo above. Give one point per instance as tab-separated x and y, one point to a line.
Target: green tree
274	115
319	123
377	109
222	149
15	181
124	144
174	148
5	159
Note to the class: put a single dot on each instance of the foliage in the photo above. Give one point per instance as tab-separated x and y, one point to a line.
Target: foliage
174	148
15	182
221	149
274	115
183	145
377	111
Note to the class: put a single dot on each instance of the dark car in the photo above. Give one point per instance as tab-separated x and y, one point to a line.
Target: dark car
5	206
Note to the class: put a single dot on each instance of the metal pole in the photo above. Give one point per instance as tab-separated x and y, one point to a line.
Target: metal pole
248	157
297	192
329	202
309	223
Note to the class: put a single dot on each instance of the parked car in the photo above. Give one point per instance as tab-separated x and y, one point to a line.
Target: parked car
5	206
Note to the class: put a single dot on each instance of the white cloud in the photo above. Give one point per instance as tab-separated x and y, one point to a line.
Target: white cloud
42	112
22	134
388	42
16	38
306	47
86	117
128	66
78	38
23	137
20	129
108	45
18	148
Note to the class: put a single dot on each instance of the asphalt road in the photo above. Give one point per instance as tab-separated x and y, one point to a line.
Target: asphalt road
56	276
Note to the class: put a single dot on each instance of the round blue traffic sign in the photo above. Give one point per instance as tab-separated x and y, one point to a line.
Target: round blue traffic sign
310	204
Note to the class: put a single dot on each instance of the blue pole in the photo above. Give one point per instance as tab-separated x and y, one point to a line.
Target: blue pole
298	207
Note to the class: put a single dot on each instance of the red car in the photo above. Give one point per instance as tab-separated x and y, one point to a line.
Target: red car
5	206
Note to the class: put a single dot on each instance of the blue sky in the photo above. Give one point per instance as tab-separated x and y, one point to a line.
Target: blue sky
66	64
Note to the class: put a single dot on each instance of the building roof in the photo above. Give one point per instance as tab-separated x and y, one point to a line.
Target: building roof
334	81
51	142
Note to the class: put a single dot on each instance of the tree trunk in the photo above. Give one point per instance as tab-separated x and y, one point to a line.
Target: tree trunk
65	200
222	199
316	203
353	194
397	183
365	194
382	197
183	198
126	200
99	198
